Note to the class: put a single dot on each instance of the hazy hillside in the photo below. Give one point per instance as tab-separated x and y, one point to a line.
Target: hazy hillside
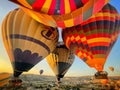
39	82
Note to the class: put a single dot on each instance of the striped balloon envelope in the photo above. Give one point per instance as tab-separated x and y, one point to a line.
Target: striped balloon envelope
69	15
25	40
53	7
4	78
93	40
60	60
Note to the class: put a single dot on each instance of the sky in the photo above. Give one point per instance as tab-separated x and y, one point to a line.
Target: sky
78	68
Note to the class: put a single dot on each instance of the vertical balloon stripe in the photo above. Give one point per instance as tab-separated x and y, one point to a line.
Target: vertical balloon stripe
37	5
72	5
67	6
5	38
57	7
52	7
78	3
62	6
46	6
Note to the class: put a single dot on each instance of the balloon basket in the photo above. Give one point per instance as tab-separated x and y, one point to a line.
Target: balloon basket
101	75
59	81
15	82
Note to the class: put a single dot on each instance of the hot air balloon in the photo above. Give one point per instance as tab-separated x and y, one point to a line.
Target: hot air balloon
25	40
111	68
4	78
41	71
60	60
61	13
93	39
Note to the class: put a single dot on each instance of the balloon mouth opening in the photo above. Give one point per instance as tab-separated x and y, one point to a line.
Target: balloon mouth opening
101	75
17	74
15	82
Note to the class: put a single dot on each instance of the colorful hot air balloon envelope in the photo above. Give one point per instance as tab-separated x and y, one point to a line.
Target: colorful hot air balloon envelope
53	7
27	41
60	60
93	40
73	12
4	78
111	68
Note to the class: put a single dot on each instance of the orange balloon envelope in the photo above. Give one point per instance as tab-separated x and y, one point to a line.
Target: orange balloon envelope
25	40
70	15
93	40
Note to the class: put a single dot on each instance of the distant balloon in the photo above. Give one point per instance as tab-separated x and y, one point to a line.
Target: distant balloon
27	41
111	68
41	72
4	78
60	60
61	13
93	39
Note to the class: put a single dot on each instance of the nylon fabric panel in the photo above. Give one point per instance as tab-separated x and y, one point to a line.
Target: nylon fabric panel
94	38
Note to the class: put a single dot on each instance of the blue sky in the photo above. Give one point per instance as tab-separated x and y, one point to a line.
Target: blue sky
79	68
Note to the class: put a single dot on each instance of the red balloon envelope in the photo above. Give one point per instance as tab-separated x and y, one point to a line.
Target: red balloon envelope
93	40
